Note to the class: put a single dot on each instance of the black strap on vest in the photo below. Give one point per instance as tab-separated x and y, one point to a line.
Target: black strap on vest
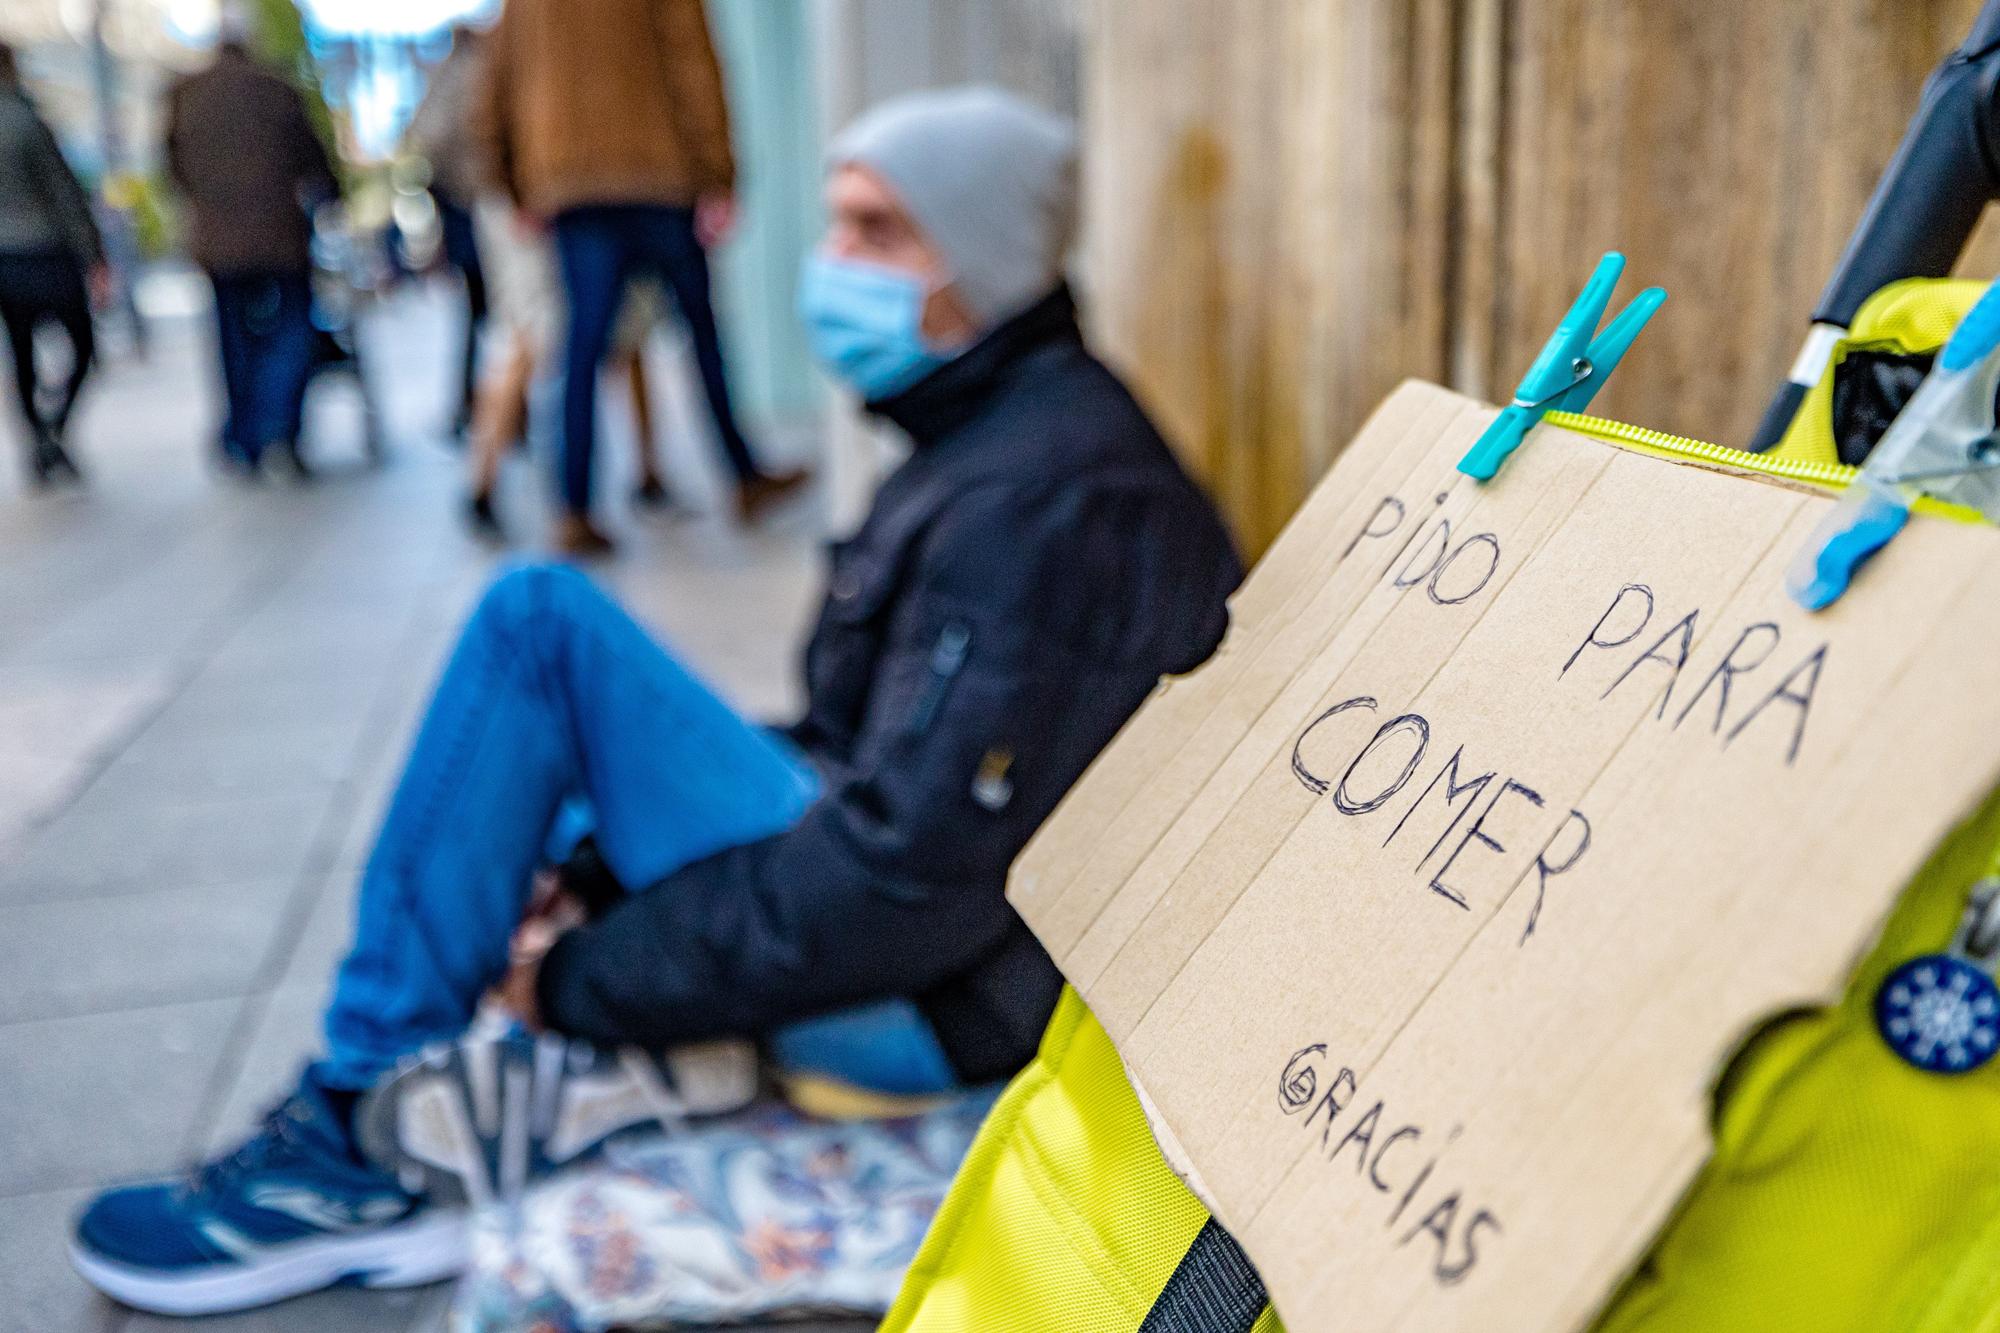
1213	1290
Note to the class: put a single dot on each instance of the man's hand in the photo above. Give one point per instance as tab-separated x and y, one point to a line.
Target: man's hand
551	913
714	219
100	284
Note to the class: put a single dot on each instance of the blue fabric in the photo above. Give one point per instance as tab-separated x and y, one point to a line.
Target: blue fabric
294	1178
461	251
264	334
887	1046
600	249
38	289
554	701
865	324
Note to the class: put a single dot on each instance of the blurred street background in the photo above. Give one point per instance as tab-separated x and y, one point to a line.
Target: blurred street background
205	685
204	691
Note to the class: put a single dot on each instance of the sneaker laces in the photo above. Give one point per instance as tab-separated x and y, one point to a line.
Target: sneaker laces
275	1139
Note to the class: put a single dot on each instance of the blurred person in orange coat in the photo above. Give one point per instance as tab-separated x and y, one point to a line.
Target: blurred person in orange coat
616	131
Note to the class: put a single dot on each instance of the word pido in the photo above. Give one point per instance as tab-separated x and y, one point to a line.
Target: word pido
1450	569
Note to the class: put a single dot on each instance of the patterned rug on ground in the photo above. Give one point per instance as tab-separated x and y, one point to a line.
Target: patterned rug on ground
760	1215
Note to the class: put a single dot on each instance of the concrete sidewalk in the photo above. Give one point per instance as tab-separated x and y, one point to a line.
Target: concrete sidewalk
204	693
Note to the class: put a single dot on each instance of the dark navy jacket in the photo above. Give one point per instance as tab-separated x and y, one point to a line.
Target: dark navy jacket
1020	585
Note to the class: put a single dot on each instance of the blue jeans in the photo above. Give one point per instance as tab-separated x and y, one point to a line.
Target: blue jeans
264	333
555	697
600	249
36	288
461	251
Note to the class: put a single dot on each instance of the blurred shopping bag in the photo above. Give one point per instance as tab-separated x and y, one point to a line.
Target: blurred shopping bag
766	1213
1427	916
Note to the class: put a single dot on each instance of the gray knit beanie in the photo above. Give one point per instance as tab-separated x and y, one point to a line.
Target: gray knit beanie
989	178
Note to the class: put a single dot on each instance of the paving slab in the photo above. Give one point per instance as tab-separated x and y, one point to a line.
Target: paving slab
71	957
105	1096
325	931
197	757
133	837
38	1288
339	1310
281	1032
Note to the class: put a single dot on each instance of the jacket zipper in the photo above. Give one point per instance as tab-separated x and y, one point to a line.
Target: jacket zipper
1681	449
946	658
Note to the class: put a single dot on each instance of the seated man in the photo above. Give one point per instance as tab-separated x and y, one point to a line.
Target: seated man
836	890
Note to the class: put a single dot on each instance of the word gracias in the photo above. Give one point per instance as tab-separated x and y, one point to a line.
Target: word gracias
1395	1160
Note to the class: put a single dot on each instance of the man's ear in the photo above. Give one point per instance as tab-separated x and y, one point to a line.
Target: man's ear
948	323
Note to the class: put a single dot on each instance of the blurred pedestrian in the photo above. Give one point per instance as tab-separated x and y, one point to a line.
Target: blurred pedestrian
616	131
51	259
244	155
528	307
441	133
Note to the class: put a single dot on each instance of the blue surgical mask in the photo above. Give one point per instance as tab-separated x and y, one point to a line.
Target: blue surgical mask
864	322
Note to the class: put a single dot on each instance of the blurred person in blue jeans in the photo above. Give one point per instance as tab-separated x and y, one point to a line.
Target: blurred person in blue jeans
245	158
51	258
441	131
615	132
835	889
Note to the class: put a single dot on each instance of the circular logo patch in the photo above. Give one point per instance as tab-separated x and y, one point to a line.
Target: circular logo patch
1940	1013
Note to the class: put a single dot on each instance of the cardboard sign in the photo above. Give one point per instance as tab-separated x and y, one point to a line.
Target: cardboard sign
1425	914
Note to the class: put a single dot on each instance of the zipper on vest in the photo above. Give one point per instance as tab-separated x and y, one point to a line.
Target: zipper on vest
1681	449
1660	444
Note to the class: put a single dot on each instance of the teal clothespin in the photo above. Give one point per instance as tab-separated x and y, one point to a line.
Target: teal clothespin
1571	368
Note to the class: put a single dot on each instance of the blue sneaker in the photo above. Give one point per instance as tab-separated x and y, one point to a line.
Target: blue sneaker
292	1210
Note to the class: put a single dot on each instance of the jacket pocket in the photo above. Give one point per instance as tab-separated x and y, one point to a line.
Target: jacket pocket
842	658
859	582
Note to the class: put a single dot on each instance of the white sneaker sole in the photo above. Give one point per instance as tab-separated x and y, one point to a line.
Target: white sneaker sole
428	1248
481	1118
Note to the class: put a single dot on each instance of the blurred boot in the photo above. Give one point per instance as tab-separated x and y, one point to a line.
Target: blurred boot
577	536
49	462
759	492
294	458
651	493
479	513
